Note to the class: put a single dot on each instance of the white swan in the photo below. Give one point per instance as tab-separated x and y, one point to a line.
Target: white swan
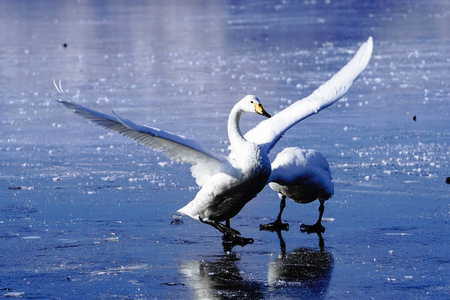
303	175
228	183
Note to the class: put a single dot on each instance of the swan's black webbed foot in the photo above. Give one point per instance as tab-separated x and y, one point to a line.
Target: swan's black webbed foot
316	228
276	225
231	240
231	237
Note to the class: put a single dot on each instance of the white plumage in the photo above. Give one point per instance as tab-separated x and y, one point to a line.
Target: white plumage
303	175
228	183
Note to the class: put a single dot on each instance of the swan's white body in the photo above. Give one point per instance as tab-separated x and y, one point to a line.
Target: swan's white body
228	183
303	175
243	175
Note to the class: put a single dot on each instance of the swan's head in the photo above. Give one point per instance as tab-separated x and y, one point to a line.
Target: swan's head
251	104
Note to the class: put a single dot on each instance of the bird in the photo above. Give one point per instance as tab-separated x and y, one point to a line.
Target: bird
229	182
303	175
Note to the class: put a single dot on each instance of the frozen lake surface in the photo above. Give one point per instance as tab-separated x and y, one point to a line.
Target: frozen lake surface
88	214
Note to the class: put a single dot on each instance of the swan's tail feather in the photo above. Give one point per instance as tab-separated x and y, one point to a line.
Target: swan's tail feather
187	210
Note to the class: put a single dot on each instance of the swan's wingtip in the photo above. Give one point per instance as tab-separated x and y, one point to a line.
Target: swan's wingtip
368	45
365	52
58	86
369	42
60	96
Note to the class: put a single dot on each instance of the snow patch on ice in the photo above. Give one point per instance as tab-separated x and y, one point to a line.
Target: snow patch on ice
14	294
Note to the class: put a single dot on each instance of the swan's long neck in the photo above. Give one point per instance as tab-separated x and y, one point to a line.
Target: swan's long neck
237	141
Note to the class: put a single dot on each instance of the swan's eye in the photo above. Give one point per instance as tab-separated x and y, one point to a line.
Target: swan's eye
251	101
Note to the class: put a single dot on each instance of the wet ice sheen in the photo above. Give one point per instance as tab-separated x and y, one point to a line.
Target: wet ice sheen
68	186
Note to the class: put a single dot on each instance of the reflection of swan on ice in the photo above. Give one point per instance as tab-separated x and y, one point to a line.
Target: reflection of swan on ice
303	176
219	279
311	269
228	183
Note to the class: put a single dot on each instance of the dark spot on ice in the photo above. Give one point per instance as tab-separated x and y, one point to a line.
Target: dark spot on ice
414	118
65	45
447	180
19	211
20	188
174	283
66	246
185	242
176	220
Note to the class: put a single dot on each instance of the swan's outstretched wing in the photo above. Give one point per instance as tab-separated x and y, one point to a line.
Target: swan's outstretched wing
268	132
176	147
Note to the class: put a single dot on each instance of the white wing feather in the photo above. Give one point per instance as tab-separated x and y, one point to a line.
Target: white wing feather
268	132
177	147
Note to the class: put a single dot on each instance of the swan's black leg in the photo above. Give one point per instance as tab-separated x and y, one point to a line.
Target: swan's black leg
225	229
318	226
321	242
277	225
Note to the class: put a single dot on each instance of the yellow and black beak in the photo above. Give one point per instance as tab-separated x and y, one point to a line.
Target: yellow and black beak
260	110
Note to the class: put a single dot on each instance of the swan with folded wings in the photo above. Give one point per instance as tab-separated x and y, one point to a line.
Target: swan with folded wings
304	176
228	183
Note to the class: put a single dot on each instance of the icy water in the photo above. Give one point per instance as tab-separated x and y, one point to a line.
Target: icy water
87	214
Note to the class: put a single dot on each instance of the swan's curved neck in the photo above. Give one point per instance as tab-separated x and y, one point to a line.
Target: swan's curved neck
234	132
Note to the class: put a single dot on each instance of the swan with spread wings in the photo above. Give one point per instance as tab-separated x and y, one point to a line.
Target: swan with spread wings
228	183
